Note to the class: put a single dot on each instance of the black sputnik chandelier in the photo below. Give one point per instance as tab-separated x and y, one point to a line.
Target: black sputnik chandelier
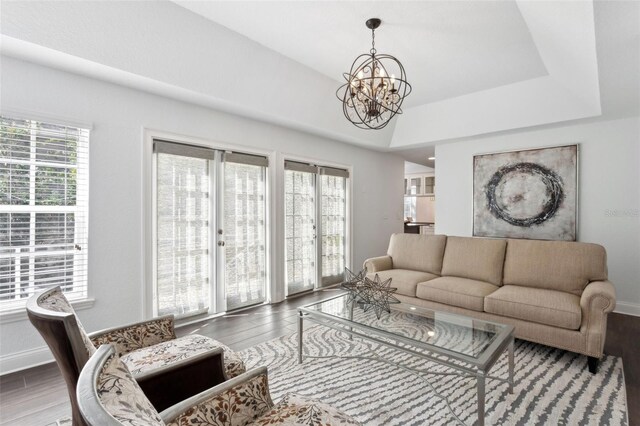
375	88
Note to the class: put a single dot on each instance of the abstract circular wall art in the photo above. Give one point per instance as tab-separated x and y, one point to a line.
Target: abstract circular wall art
526	194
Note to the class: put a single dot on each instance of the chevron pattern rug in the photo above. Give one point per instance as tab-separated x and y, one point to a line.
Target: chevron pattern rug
551	386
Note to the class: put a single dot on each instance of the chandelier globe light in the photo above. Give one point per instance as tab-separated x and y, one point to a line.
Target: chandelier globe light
375	87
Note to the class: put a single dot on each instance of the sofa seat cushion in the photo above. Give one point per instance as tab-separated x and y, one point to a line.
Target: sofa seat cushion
454	291
550	307
294	410
404	280
155	356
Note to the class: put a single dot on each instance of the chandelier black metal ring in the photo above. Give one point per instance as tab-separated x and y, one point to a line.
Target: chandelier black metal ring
375	88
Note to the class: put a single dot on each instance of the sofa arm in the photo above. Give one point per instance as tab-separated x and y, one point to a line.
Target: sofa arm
598	296
377	264
597	300
138	335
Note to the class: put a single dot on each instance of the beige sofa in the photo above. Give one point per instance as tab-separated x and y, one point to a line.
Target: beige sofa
553	292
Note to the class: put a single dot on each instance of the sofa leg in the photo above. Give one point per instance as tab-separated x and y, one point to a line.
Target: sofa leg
593	364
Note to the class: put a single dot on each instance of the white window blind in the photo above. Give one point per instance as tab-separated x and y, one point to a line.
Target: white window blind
245	229
333	201
43	209
315	255
300	227
183	235
210	229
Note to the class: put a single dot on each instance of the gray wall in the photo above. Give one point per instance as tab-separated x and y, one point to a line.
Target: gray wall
608	190
118	117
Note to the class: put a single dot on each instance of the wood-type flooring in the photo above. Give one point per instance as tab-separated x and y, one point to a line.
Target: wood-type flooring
38	396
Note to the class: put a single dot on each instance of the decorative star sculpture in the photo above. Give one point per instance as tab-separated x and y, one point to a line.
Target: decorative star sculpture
381	295
354	284
369	293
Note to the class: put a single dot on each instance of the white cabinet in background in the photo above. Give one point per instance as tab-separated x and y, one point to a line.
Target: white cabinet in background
419	184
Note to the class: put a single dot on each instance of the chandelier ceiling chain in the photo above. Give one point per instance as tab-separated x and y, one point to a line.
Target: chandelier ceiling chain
372	94
373	50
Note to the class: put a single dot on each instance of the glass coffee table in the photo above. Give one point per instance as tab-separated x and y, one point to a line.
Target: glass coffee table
467	345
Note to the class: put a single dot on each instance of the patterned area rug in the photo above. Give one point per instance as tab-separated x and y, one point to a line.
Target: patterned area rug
551	386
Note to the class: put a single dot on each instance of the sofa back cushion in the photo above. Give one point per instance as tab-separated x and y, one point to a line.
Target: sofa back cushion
555	265
474	258
417	252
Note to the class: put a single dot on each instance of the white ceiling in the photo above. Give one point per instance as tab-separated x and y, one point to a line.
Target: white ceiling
477	67
448	48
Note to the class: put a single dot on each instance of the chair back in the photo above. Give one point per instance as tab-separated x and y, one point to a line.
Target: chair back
108	395
52	315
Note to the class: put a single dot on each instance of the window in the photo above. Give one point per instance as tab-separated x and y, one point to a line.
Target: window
43	209
410	207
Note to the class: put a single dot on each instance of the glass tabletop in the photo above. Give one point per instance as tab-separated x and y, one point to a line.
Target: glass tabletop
416	326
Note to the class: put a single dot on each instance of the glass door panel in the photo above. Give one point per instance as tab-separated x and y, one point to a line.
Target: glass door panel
415	185
300	231
182	218
333	199
244	234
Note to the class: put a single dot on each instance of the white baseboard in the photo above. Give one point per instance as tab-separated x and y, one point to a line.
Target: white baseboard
627	308
25	359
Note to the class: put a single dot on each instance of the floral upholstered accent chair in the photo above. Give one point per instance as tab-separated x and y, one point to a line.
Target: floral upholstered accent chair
150	349
108	395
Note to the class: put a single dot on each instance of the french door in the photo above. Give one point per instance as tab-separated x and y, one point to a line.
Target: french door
333	219
243	235
210	239
300	227
315	226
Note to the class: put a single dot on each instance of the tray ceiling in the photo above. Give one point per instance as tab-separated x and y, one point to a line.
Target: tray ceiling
449	49
476	67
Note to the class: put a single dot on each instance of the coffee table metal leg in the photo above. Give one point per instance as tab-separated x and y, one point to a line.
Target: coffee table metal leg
481	381
511	362
351	318
300	331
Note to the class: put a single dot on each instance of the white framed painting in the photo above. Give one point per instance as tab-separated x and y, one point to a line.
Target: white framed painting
531	194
